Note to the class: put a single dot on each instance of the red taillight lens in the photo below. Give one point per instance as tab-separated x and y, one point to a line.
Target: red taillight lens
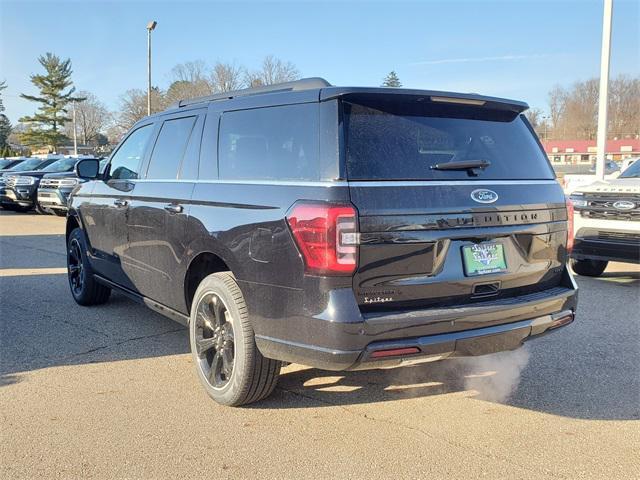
570	214
326	236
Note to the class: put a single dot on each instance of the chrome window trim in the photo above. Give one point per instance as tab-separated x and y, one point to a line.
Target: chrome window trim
433	183
360	183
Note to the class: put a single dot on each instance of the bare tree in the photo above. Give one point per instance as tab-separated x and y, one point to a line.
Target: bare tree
226	77
574	111
133	106
624	107
534	115
92	117
192	72
557	97
273	71
189	80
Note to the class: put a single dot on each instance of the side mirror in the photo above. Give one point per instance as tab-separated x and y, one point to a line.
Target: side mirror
87	169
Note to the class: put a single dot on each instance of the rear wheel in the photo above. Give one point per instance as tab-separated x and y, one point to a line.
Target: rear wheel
228	363
84	287
589	268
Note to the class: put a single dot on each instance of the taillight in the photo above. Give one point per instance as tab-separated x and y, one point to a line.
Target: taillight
570	213
327	237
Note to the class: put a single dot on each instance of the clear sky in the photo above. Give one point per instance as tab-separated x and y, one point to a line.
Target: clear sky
516	49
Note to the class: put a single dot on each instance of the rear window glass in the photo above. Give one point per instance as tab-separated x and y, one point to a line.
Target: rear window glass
405	140
274	143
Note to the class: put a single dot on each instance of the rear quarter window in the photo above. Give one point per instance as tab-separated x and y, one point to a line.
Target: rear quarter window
403	141
272	143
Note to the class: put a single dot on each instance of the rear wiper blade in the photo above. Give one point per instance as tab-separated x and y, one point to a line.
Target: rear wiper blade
461	165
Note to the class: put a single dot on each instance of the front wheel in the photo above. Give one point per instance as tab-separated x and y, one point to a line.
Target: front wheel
228	363
589	268
84	287
42	211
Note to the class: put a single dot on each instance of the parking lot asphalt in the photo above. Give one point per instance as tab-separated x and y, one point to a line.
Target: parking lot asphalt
110	392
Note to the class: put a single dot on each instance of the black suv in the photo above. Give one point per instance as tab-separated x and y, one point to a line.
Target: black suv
54	190
10	197
21	188
340	228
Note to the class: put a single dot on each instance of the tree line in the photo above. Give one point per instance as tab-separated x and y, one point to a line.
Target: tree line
572	111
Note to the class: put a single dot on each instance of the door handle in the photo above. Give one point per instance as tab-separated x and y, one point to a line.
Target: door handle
120	203
173	208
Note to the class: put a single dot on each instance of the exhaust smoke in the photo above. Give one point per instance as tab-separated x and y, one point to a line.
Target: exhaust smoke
495	377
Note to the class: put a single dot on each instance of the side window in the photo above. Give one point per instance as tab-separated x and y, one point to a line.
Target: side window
189	167
274	143
126	161
169	148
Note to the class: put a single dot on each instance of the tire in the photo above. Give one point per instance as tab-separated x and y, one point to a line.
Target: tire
41	210
84	287
9	208
231	369
589	268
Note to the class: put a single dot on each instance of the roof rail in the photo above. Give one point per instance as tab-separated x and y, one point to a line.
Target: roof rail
302	84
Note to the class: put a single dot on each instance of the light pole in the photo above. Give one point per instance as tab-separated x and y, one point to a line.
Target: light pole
150	26
75	130
604	88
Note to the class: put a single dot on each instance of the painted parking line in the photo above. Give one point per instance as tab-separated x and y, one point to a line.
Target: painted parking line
20	272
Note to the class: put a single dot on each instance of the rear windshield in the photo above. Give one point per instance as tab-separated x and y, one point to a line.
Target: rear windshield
404	140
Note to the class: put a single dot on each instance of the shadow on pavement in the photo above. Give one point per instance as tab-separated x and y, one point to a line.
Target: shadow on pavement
588	370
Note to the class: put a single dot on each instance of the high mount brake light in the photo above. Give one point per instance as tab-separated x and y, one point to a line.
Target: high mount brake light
327	237
570	214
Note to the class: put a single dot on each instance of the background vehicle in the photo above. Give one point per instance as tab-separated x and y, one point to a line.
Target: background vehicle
627	162
607	223
609	167
26	165
337	227
54	190
21	189
6	163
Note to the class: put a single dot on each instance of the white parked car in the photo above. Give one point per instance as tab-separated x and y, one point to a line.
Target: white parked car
607	223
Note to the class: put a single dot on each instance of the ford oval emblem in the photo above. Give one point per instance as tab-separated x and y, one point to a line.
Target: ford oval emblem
624	205
482	195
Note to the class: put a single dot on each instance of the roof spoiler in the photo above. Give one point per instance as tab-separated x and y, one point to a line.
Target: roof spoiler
471	99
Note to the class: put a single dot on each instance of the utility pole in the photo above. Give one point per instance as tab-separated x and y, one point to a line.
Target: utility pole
604	88
150	27
75	130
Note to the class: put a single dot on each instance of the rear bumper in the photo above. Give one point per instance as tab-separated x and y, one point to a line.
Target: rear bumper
348	343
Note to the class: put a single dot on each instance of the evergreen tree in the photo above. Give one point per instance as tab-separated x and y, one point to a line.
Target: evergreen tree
5	124
391	80
56	90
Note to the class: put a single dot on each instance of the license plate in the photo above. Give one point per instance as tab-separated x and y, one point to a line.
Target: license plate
483	259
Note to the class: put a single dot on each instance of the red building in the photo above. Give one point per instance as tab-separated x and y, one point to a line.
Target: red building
576	152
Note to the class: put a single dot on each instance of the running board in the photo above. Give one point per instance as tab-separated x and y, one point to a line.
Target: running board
152	304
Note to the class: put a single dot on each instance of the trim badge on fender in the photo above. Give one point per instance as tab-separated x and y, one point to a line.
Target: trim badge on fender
483	195
624	205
